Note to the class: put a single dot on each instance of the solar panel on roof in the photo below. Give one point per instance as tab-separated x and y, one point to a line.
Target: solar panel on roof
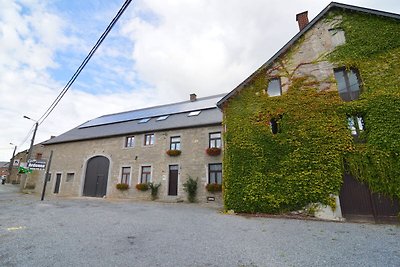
199	104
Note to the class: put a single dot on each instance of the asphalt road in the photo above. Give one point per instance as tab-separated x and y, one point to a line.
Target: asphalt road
103	232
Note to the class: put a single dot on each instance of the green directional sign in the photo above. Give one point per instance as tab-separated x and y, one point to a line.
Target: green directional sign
24	170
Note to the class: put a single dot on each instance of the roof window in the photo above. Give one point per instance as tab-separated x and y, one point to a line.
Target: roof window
162	118
144	120
194	113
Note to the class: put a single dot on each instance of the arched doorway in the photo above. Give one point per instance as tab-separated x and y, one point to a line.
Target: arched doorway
96	177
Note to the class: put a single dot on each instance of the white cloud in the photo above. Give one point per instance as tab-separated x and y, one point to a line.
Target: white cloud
159	52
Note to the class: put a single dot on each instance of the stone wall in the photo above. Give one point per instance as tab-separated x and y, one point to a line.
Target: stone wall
72	158
306	58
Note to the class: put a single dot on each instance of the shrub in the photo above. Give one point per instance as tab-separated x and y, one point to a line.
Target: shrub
214	188
213	151
191	188
122	186
142	187
173	152
154	190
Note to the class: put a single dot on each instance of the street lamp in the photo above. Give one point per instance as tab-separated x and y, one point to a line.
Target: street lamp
11	163
33	138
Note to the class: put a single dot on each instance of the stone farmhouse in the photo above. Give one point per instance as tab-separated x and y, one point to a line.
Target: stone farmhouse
163	144
315	128
318	122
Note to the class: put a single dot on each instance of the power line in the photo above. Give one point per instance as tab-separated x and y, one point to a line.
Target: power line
27	136
85	61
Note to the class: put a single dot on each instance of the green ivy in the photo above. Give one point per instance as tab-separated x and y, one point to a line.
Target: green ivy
304	162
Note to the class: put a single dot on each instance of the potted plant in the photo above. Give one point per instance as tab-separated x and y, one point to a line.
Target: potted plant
191	188
154	190
122	186
173	152
142	187
213	151
212	188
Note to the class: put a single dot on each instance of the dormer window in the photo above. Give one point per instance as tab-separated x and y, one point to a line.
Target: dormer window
348	83
274	87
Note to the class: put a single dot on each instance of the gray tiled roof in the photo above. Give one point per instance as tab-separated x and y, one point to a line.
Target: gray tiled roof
4	164
128	122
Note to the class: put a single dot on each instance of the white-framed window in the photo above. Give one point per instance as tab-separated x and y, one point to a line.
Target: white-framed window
175	143
129	141
215	173
215	140
149	139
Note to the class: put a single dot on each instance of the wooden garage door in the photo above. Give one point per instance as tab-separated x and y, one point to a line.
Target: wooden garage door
359	203
96	177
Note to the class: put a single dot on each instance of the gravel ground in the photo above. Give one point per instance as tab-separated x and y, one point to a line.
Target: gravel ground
103	232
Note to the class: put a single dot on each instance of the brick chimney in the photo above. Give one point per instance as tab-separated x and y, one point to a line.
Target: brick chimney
302	19
193	97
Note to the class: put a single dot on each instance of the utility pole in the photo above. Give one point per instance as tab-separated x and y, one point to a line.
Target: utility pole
23	178
46	176
11	164
33	139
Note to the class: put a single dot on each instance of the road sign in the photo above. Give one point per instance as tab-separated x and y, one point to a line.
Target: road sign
36	164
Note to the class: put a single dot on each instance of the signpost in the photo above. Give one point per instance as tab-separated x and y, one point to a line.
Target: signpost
36	164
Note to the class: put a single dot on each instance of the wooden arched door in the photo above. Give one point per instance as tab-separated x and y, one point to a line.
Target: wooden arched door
96	177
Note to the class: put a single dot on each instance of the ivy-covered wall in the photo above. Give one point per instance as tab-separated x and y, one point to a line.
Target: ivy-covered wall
304	162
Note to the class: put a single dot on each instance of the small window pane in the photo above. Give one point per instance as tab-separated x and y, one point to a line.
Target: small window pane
339	76
274	87
360	123
353	80
351	125
215	135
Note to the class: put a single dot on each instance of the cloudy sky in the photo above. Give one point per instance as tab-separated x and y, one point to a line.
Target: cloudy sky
159	52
